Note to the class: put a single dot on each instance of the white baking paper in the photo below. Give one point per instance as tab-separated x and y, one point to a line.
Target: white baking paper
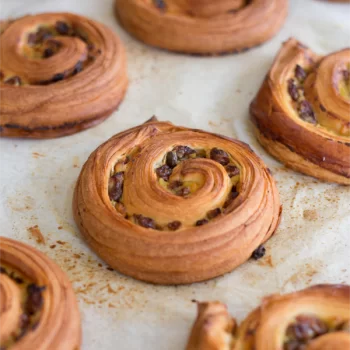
212	93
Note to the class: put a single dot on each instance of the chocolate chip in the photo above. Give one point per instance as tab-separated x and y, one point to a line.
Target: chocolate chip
232	170
115	186
57	77
175	184
183	192
78	67
306	113
173	226
48	53
171	159
164	172
213	213
16	81
145	221
300	74
259	252
201	222
220	156
293	90
35	298
183	151
62	28
3	270
160	4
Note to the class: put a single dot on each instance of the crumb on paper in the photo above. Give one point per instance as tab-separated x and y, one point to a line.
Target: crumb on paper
61	242
77	256
37	155
76	162
52	246
36	233
266	261
310	215
211	123
60	227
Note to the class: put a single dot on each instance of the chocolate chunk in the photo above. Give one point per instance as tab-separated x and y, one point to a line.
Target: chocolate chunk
220	156
62	28
232	170
183	151
48	53
35	298
173	226
213	213
16	81
293	90
171	159
164	172
57	77
3	270
259	252
201	222
183	192
306	113
160	4
115	186
145	221
175	184
300	74
78	67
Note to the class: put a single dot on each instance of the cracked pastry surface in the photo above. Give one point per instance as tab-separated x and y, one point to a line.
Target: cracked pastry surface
202	26
60	73
172	205
301	112
38	309
314	318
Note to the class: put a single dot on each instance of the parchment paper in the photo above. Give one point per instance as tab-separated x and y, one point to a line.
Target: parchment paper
37	180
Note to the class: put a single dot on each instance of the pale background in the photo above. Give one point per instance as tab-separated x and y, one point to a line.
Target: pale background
37	180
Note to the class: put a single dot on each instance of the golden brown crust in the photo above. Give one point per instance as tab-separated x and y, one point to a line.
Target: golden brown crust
88	63
58	325
322	149
192	253
266	327
202	26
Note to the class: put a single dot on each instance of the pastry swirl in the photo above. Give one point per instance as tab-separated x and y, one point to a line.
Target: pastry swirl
38	309
202	26
311	319
301	112
172	205
60	73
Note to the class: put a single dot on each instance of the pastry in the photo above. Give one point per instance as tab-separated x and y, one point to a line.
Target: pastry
315	318
60	73
38	309
301	113
202	26
171	205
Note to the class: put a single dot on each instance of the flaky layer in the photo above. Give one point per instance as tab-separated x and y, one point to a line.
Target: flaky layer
202	26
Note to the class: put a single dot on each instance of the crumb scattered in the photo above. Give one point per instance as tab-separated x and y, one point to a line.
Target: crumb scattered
60	227
310	215
36	234
110	269
78	256
53	246
37	155
60	242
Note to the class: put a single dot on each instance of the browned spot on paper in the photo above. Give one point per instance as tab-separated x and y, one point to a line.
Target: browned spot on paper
37	155
26	203
304	275
212	123
310	215
266	261
36	234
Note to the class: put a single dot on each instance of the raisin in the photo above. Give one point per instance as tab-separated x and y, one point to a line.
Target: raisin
175	184
32	38
35	299
160	4
42	34
306	113
24	321
173	226
345	326
293	90
220	156
183	151
3	270
16	81
259	252
183	192
57	77
171	159
213	213
231	197
201	222
78	67
164	172
232	170
145	221
115	186
346	75
48	53
62	28
300	74
293	345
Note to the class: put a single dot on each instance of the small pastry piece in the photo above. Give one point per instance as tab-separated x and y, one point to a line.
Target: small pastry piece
38	308
60	73
301	113
202	26
172	205
315	318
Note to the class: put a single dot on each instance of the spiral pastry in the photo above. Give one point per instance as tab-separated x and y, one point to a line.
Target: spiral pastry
202	26
38	309
316	318
172	205
59	74
301	112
